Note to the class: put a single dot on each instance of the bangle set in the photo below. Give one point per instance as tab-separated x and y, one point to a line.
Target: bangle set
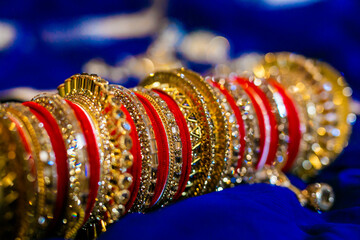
74	162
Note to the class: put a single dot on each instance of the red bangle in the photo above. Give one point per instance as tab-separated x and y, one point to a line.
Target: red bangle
57	142
294	125
267	122
239	120
93	156
163	149
185	139
135	169
25	144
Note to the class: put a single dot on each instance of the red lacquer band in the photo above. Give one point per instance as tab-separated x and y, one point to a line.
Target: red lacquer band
135	169
93	156
239	119
58	145
163	148
294	125
185	139
26	145
267	122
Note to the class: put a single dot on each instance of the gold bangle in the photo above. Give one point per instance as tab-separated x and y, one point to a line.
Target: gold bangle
313	92
91	93
147	144
279	110
191	103
340	133
46	179
228	178
77	161
16	182
174	142
252	135
220	133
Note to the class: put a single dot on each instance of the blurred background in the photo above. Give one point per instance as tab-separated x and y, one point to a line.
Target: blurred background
43	42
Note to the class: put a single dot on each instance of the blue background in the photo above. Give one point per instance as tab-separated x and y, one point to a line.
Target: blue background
329	30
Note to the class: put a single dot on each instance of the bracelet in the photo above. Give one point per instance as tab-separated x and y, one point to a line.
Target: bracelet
73	137
162	148
44	164
219	126
279	110
135	169
148	145
338	106
16	180
245	169
267	122
93	153
293	120
52	129
185	141
316	104
174	143
191	103
236	130
90	93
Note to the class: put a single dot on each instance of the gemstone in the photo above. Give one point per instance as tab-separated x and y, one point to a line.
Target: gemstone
125	180
118	114
126	126
126	159
126	142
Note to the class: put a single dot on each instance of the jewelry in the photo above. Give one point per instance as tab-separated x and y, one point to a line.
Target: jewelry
319	196
279	110
174	144
267	122
148	145
185	141
135	169
219	135
191	103
314	94
91	93
245	169
293	122
236	132
61	175
44	160
73	137
17	182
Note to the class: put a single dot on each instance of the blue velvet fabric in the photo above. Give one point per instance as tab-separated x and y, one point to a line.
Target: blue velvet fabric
329	30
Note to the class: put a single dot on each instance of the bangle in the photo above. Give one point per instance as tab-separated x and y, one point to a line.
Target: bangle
174	144
295	82
91	94
61	175
44	159
237	135
267	122
184	141
148	145
162	147
73	137
135	169
16	180
281	126
317	107
337	136
245	169
220	136
191	103
293	121
93	153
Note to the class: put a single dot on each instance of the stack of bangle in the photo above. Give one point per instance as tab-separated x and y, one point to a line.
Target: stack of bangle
73	163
